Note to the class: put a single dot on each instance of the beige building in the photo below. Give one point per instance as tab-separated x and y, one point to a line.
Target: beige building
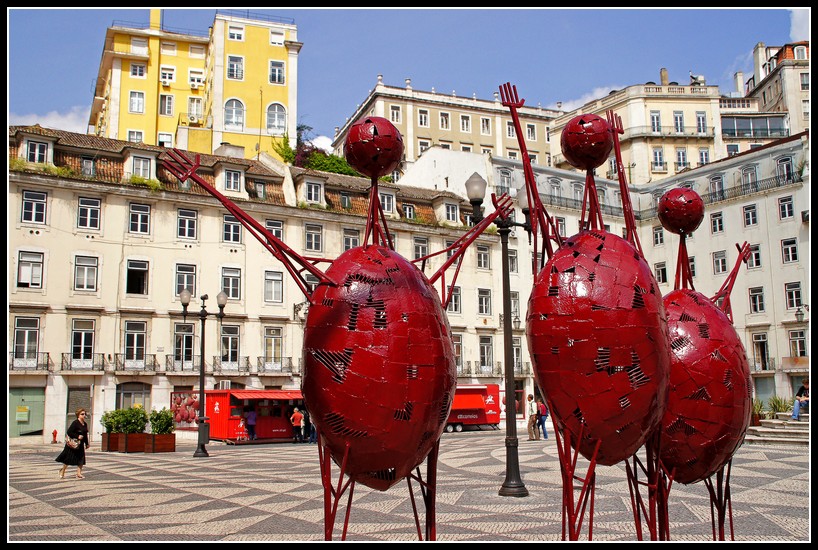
235	82
426	119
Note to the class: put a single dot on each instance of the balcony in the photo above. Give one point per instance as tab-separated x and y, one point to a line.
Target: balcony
94	363
764	364
522	369
182	366
759	133
793	365
685	132
28	362
241	366
575	204
658	167
750	188
272	366
147	363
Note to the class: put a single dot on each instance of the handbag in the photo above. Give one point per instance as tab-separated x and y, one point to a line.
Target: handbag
71	442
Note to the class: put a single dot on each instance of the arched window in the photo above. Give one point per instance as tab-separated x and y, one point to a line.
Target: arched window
276	119
784	168
717	187
234	114
129	394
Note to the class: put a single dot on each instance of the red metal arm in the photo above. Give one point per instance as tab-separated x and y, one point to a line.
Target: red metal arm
183	168
727	287
615	122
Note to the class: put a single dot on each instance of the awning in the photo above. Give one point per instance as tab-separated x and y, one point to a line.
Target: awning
468	401
282	395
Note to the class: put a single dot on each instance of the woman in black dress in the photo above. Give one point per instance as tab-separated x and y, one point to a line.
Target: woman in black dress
75	457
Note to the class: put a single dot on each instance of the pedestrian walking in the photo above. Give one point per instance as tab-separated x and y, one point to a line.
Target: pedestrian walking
76	442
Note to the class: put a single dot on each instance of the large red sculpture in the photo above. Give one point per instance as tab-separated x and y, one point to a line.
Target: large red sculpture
710	391
379	369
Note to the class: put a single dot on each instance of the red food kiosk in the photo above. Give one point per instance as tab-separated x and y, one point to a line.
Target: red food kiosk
475	405
225	409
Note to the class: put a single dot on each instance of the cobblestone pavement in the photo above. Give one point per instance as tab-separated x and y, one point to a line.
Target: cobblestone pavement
273	492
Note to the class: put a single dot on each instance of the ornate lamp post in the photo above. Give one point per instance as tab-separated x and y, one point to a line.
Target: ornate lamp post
513	485
204	427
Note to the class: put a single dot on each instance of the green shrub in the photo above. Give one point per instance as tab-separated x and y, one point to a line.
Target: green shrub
779	404
162	421
134	420
112	421
758	406
153	185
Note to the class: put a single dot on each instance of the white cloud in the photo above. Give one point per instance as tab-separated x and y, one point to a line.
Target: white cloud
75	120
799	25
593	95
323	142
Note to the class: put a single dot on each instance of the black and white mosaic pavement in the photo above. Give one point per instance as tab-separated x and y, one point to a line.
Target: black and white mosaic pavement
273	493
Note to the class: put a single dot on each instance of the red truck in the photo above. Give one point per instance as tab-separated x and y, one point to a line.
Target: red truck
475	405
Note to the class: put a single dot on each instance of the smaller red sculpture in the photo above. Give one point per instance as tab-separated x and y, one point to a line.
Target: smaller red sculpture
681	211
374	146
586	141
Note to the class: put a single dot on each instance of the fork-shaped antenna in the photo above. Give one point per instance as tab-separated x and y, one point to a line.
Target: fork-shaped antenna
184	168
615	123
539	216
726	288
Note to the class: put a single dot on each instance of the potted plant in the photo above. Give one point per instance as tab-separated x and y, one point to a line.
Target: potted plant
112	424
778	405
133	435
757	412
161	439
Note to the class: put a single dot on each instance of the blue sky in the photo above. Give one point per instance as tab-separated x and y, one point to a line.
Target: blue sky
565	55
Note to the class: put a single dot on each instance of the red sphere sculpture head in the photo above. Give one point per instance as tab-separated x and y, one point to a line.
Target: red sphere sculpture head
681	211
374	147
586	141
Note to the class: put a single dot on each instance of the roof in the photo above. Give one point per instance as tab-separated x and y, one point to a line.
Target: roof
281	395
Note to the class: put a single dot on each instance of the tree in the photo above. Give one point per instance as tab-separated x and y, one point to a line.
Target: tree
307	155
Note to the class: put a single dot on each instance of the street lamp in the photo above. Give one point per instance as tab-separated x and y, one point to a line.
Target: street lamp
204	427
513	485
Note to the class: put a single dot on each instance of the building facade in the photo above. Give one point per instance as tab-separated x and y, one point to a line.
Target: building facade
471	125
236	83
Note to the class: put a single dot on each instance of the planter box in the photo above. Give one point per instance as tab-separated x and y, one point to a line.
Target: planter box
110	442
160	443
132	443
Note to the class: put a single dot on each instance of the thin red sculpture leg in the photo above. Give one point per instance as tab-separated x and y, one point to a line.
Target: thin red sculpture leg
573	512
333	494
721	505
651	469
428	491
665	482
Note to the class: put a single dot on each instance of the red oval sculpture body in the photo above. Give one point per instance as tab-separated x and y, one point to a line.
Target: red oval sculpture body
681	210
379	366
586	141
708	403
597	333
374	146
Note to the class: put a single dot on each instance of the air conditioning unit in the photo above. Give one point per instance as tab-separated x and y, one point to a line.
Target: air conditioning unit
195	85
193	119
166	83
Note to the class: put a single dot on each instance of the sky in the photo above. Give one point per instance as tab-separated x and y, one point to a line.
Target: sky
552	55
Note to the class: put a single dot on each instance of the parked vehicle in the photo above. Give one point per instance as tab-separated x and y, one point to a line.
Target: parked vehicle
475	405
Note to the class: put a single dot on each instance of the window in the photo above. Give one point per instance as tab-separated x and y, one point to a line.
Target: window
423	118
168	48
409	211
561	226
183	346
138	70
387	202
82	343
235	67
511	133
136	281
515	305
452	213
784	169
275	227
691	261
530	132
276	119
186	223
465	123
483	257
313	192
655	122
517	353
352	238
85	273
30	270
421	247
450	250
87	167
658	236
486	353
755	256
512	261
230	347
26	341
88	213
142	167
195	78
34	204
798	343
136	104
276	72
166	105
750	215
658	159
804	82
678	122
273	347
232	180
716	222
749	179
701	122
37	152
484	301
805	109
660	269
757	300
444	121
454	302
457	341
232	229
276	37
273	286
785	208
140	219
194	107
234	114
139	46
720	262
793	293
760	353
681	159
313	237
704	156
485	126
395	114
789	250
185	278
800	53
732	149
164	139
235	32
231	282
346	200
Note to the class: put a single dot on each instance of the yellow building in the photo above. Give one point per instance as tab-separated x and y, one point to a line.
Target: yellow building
235	83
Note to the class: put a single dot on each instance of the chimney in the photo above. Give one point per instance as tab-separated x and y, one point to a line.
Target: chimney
229	150
739	80
156	19
663	79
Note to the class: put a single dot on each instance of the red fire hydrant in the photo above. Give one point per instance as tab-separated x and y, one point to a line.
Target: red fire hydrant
54	434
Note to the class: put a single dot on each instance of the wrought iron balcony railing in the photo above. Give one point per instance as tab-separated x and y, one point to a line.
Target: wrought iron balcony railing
172	364
94	363
146	363
280	365
240	366
29	361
